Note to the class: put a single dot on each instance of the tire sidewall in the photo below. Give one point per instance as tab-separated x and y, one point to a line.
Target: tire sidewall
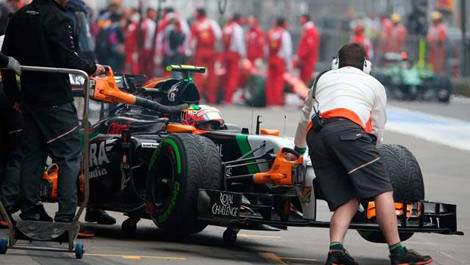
170	148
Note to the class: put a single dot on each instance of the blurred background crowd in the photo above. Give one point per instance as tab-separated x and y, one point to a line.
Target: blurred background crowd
277	36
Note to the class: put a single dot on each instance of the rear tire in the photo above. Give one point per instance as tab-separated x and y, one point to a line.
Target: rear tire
407	181
182	164
254	91
443	88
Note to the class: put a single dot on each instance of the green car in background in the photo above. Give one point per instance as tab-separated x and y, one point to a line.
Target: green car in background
417	82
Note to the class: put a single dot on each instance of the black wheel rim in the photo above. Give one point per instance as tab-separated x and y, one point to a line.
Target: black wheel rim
165	175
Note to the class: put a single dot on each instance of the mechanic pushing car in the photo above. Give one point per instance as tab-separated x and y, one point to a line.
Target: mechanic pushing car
40	34
347	123
11	129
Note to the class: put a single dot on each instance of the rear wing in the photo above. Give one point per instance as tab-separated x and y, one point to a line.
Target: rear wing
183	68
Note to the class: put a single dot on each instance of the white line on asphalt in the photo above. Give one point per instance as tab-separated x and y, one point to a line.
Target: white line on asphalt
258	236
434	128
450	257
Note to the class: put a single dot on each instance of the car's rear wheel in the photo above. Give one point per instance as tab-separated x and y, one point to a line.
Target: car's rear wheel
181	165
407	181
254	91
443	88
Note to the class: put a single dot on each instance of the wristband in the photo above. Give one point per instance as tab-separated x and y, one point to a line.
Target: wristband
301	150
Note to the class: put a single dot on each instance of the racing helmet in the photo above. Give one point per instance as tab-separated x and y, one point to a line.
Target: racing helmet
203	117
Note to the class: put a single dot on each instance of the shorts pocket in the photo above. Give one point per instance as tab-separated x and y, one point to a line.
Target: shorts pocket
356	136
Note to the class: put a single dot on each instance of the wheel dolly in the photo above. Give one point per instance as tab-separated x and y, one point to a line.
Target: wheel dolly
50	231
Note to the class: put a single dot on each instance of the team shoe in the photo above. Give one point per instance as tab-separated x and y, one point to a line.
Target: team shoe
37	213
85	232
339	257
409	257
99	216
3	222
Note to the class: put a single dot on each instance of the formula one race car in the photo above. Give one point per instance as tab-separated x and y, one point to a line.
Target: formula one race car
417	82
161	156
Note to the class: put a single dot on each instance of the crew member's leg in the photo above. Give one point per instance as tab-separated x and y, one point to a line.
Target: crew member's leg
60	125
270	82
306	70
336	188
387	218
211	80
10	188
233	75
32	168
341	220
278	83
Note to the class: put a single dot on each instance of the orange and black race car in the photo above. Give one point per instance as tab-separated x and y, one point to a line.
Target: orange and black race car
152	158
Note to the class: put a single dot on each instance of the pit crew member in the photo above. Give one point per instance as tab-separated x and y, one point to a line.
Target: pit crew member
41	34
279	61
234	51
11	129
342	138
254	40
307	52
205	33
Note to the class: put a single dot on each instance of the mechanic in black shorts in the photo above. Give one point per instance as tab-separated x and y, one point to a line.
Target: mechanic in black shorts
351	104
40	34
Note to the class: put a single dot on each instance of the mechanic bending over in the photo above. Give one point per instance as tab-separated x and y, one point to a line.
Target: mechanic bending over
11	127
40	34
341	139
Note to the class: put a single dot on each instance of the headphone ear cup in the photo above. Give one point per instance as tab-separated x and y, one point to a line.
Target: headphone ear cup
335	63
367	68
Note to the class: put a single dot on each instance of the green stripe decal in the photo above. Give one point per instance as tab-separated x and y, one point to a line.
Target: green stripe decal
244	145
177	154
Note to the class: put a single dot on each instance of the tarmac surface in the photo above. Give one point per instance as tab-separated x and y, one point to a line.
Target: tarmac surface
445	167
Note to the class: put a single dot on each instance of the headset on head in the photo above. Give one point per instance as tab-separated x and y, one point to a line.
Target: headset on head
366	68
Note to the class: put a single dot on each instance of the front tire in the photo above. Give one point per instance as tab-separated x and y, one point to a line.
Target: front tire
407	181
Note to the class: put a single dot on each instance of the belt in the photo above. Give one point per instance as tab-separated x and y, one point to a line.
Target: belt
331	120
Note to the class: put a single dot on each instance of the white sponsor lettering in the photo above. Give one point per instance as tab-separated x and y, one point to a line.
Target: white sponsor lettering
98	173
225	207
98	155
149	145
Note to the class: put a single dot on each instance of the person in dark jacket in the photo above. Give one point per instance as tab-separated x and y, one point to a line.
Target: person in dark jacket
11	129
40	34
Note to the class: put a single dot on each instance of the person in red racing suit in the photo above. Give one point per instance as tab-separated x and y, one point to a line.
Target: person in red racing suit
131	33
204	35
234	50
254	40
146	53
307	52
280	52
360	38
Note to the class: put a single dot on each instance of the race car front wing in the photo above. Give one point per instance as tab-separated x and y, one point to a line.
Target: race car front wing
255	210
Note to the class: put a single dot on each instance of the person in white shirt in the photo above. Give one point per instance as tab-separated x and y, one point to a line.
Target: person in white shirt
347	123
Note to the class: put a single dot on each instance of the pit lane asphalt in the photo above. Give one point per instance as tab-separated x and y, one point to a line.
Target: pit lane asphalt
447	179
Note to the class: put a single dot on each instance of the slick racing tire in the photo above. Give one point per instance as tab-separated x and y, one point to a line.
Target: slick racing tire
407	181
254	91
181	165
443	88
